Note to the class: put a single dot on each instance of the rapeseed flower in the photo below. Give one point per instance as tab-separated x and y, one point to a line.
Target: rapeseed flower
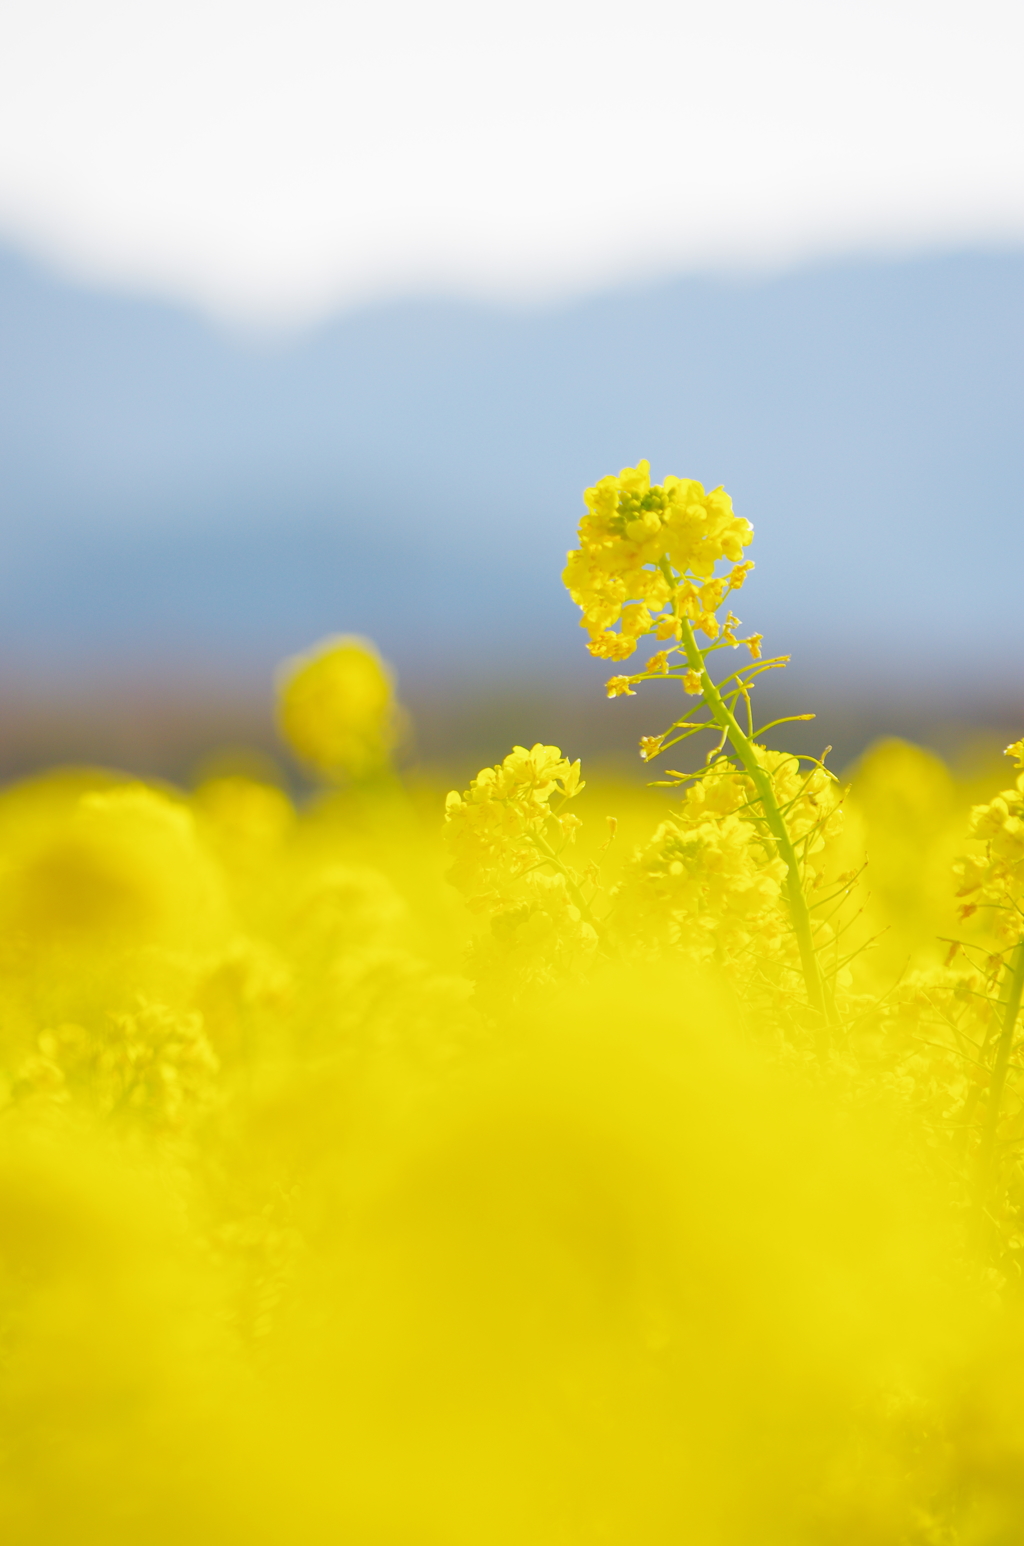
499	828
507	835
647	557
711	885
337	710
660	545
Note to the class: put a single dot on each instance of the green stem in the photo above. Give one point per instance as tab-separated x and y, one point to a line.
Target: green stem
817	990
1011	1009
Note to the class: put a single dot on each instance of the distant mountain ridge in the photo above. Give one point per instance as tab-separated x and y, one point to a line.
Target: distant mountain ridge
413	470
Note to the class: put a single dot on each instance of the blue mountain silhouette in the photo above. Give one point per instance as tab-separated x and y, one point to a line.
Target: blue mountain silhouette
172	492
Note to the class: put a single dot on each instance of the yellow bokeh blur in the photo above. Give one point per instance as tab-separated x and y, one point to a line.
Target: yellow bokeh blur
302	1237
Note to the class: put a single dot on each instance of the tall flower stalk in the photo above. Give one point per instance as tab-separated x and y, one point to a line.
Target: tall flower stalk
647	565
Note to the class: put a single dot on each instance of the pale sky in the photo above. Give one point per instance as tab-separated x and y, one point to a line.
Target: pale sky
278	159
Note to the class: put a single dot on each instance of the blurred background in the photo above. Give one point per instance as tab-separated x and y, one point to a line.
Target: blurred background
318	317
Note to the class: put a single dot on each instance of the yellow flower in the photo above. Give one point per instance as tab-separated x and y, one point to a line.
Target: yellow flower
612	646
506	834
336	708
710	882
496	829
618	687
648	553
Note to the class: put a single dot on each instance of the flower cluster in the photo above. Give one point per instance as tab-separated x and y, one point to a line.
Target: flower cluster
706	887
507	837
991	874
152	1066
710	883
504	824
647	557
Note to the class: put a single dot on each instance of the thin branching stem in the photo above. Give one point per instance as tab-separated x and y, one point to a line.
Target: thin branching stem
818	992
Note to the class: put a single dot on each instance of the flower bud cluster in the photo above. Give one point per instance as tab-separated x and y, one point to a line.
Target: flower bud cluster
647	558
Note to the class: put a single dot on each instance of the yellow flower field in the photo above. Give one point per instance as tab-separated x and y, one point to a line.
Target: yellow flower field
559	1161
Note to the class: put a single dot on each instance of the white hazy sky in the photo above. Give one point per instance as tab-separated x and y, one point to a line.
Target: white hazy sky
278	158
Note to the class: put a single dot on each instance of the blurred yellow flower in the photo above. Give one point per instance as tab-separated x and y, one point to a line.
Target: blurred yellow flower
336	708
